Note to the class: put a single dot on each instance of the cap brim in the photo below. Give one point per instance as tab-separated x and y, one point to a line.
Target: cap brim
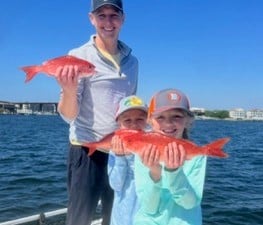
103	4
134	107
156	112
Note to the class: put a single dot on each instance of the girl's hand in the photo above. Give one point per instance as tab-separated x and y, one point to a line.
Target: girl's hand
174	156
117	145
150	158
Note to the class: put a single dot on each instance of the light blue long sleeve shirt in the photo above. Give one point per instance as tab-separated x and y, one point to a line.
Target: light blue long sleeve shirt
99	95
121	178
175	199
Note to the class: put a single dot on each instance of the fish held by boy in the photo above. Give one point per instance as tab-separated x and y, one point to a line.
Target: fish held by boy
50	66
135	140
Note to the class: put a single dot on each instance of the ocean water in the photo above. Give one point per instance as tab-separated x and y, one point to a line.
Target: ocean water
33	154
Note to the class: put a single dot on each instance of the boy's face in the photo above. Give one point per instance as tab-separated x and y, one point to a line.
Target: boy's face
171	122
133	119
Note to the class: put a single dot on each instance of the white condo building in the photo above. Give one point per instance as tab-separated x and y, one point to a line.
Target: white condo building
241	114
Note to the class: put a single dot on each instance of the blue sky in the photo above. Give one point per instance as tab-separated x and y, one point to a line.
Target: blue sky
211	50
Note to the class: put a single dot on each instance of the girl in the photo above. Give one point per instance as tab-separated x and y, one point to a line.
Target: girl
169	193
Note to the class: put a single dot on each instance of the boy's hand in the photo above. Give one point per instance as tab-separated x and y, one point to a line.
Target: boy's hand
117	145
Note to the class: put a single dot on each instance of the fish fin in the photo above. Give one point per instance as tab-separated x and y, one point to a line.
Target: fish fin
215	148
91	151
30	71
91	148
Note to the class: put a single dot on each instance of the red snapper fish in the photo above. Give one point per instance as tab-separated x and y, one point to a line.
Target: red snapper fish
135	140
50	66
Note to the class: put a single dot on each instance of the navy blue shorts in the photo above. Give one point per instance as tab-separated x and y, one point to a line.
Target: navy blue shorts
87	184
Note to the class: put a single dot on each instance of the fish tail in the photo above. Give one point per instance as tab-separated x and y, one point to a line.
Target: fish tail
215	148
30	71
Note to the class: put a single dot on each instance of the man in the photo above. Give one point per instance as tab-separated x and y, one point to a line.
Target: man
89	105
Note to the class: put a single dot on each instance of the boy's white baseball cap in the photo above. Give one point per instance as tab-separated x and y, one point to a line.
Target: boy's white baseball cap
130	102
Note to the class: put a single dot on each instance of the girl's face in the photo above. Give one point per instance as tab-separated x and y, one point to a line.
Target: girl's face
133	119
171	122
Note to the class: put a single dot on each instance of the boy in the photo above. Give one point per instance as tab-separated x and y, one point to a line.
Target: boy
131	114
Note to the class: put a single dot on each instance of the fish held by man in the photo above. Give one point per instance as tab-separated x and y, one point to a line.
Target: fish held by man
49	67
135	140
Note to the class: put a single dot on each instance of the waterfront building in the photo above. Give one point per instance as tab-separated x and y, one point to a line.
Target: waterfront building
198	111
237	114
241	114
27	108
7	107
255	114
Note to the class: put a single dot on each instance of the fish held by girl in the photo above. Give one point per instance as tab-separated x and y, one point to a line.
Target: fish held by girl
135	140
49	67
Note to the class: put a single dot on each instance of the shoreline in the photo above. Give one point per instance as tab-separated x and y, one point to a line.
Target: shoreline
196	117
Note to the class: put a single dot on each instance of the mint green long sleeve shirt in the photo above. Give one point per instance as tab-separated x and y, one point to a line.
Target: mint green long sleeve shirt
175	199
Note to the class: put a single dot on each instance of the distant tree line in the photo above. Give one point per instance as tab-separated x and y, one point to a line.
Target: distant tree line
221	114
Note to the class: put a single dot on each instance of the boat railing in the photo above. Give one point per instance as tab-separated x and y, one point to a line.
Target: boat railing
56	217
